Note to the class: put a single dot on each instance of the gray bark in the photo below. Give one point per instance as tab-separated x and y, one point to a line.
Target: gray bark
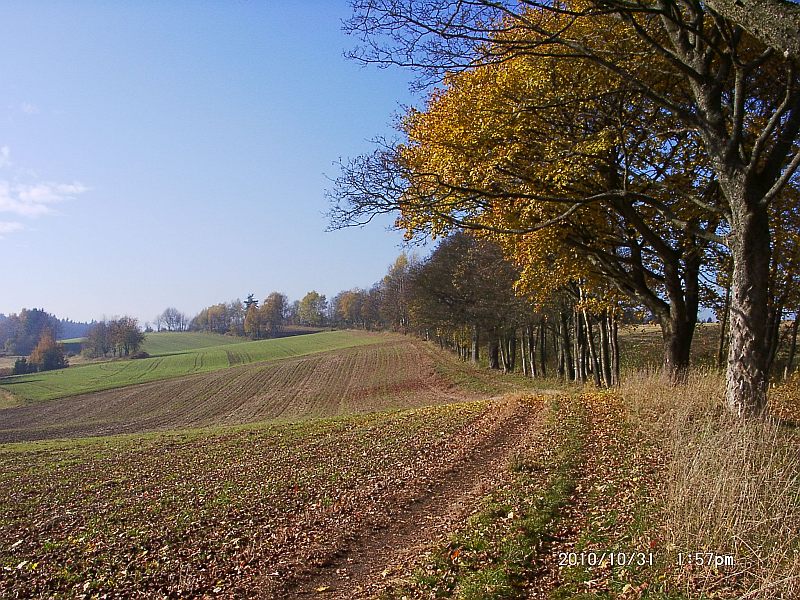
774	22
748	354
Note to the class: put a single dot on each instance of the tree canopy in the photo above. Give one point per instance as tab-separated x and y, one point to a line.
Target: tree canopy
613	139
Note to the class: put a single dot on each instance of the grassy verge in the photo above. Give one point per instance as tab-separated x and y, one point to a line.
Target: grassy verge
727	511
479	379
495	553
610	549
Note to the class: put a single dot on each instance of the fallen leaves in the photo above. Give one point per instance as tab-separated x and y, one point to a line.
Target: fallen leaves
211	512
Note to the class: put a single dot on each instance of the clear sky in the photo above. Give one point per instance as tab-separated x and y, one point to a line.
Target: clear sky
158	154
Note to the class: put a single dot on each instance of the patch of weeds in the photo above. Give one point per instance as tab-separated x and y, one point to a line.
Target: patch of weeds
616	513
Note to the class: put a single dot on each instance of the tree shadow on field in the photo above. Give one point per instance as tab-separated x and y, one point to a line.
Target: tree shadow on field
5	381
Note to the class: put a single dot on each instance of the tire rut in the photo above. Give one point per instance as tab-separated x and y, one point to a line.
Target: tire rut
360	568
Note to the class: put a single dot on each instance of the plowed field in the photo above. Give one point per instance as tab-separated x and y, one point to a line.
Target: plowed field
234	514
118	373
398	373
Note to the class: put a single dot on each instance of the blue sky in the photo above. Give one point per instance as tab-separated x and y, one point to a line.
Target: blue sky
158	154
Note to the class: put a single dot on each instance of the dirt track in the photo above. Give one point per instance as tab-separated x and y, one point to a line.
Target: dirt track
400	374
366	565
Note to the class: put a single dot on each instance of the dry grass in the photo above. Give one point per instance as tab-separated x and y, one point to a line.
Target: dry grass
731	488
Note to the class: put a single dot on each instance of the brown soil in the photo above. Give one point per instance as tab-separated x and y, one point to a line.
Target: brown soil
397	375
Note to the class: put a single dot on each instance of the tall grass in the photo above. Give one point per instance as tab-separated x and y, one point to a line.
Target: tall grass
731	488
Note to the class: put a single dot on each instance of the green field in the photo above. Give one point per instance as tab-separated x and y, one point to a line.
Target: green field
169	342
175	363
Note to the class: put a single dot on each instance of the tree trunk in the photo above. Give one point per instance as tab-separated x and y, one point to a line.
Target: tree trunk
773	334
475	357
792	348
605	350
504	359
615	347
592	349
494	354
512	351
747	377
677	334
580	348
772	21
523	351
532	338
566	343
543	347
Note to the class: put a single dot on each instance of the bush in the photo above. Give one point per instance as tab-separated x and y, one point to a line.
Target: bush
22	367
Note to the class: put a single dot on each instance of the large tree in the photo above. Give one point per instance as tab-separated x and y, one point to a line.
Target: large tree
736	97
273	313
312	309
552	159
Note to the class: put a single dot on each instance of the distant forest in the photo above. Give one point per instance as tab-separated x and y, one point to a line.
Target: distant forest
19	333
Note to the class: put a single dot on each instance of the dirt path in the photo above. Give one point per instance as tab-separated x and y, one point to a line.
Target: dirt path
380	554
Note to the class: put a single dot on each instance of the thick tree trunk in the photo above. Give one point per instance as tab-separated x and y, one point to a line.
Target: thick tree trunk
747	377
494	354
677	333
774	22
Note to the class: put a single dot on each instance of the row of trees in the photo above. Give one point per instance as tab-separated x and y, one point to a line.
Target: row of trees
267	320
645	151
463	297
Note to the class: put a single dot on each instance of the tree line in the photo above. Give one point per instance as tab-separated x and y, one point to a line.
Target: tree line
463	297
641	152
260	320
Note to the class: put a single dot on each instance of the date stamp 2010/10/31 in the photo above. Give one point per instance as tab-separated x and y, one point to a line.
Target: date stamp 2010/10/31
626	559
600	557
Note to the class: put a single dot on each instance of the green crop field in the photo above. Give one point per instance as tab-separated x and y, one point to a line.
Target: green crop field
120	373
169	342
